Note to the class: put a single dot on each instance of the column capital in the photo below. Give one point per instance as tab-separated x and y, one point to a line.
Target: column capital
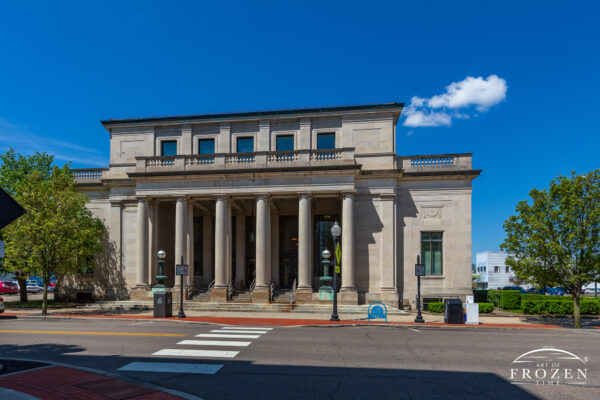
141	199
222	197
348	193
306	195
115	203
265	196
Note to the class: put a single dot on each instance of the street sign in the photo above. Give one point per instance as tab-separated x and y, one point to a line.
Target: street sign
419	269
181	269
11	210
337	269
338	255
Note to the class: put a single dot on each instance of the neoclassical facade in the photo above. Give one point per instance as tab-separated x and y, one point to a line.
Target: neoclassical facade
247	200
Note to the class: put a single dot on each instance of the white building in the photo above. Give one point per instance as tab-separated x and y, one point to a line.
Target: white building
248	199
492	271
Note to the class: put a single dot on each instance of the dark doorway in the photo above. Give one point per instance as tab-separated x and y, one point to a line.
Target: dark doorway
323	240
250	250
288	250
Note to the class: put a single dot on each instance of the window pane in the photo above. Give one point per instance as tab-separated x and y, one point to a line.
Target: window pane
168	148
285	143
245	145
437	258
426	256
206	146
436	235
326	141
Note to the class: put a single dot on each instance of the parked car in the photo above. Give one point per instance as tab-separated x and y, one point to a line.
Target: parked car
7	287
2	305
555	291
34	288
534	291
519	288
591	290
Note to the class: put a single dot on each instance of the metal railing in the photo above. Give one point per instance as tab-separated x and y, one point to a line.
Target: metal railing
271	291
293	295
252	286
230	289
210	286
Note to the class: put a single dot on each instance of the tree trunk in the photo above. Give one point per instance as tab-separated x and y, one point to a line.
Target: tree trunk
576	309
45	298
22	289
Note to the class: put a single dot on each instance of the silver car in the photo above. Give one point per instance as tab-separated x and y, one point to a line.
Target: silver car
2	308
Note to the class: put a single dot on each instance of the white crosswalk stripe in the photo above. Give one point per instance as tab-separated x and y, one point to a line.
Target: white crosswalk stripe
177	368
247	327
231	336
196	353
236	331
214	343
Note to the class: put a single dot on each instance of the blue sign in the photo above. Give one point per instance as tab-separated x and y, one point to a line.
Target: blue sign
377	311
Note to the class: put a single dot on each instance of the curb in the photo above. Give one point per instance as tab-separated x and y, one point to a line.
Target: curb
110	375
290	322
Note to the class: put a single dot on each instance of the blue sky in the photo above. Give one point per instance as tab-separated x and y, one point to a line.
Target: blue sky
64	66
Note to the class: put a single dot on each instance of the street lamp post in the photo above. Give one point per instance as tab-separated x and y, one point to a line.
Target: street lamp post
336	230
161	254
419	270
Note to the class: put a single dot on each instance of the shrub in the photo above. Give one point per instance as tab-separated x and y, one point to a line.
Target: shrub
561	306
436	307
485	308
509	299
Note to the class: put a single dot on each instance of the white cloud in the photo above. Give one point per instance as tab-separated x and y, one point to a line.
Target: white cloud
470	92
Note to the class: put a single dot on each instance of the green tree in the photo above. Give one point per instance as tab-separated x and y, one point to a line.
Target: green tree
58	235
554	240
15	168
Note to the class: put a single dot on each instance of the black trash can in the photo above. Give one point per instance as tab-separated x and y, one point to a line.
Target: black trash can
163	305
453	311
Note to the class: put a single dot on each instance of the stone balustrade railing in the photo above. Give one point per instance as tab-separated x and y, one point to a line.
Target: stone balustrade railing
265	159
88	174
436	162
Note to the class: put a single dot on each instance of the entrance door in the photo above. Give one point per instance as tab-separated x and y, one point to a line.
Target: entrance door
288	250
323	240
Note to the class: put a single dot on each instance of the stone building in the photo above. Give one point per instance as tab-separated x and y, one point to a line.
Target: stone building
248	199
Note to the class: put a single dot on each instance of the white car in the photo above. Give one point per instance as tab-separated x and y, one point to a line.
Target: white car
1	305
33	288
591	290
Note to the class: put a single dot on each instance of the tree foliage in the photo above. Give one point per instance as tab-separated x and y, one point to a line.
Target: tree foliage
57	235
554	239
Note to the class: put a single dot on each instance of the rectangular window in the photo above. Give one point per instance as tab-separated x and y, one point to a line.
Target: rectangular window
168	148
245	144
325	141
507	269
496	269
285	143
206	146
431	252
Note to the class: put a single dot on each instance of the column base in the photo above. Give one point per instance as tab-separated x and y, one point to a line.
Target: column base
348	296
139	293
389	298
261	295
218	295
304	295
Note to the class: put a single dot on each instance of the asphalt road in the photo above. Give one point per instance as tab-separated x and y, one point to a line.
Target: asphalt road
312	362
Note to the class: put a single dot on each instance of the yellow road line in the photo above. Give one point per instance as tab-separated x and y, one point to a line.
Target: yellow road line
94	333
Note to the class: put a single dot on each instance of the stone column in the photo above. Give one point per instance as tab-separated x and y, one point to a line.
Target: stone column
261	290
348	293
207	250
180	229
152	239
304	246
142	246
389	292
116	290
240	250
189	243
219	291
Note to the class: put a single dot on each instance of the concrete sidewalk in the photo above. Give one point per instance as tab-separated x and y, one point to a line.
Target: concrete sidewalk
304	319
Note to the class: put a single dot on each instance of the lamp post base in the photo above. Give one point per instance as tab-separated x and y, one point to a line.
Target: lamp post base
419	319
180	314
334	317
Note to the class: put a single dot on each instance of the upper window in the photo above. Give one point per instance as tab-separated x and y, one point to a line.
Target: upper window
507	269
206	146
285	143
245	144
325	141
168	148
431	252
496	269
